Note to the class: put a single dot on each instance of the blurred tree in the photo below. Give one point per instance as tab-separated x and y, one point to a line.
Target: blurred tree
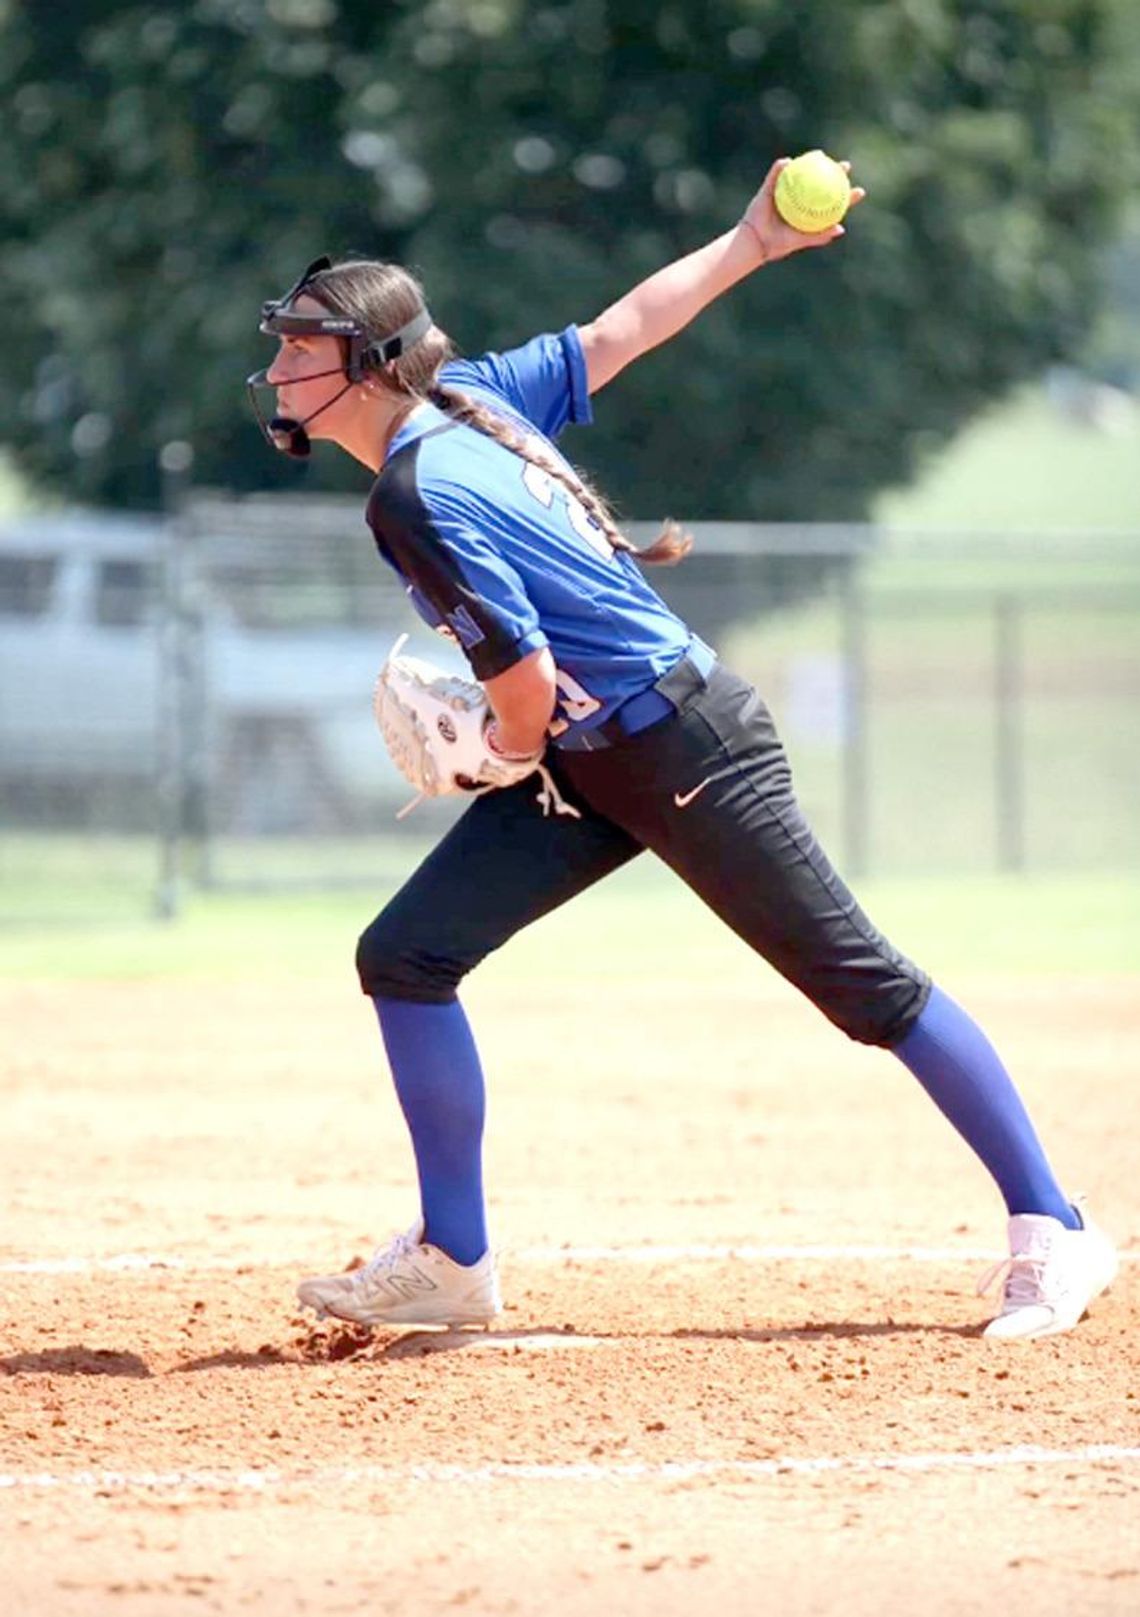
170	165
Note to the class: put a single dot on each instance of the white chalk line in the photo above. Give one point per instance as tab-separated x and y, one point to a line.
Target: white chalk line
275	1478
692	1252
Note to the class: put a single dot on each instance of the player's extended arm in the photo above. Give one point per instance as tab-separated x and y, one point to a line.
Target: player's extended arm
659	307
522	701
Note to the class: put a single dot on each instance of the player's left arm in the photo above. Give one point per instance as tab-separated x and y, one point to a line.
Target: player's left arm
657	308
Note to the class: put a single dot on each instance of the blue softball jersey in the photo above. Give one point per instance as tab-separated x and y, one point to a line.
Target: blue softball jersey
497	554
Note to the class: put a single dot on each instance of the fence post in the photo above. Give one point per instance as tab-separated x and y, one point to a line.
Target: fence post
197	717
853	612
1009	759
175	460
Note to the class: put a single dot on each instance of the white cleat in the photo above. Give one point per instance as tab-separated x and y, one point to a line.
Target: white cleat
1050	1277
408	1282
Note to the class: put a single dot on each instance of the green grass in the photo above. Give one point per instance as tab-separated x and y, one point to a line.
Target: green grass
71	876
1024	466
640	922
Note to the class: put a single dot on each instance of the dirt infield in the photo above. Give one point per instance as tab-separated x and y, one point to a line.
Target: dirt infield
792	1408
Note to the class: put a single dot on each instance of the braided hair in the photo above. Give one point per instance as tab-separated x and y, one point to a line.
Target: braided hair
385	296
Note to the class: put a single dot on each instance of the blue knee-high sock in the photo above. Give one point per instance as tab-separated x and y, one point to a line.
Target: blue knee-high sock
962	1073
439	1081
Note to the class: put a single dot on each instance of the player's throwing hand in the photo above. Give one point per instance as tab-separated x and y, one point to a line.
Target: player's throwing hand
775	237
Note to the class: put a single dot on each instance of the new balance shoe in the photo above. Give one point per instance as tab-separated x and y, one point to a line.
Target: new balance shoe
408	1282
1051	1276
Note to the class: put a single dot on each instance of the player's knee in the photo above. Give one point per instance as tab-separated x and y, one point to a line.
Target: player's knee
393	965
882	1016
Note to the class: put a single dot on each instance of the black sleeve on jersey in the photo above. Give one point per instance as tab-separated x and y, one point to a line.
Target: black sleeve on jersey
408	538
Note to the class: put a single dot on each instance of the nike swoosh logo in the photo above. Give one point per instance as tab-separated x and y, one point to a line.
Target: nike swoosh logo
683	799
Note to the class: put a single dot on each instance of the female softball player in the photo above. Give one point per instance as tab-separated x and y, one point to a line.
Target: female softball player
645	740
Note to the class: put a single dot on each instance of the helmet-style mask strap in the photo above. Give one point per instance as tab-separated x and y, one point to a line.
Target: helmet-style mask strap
366	352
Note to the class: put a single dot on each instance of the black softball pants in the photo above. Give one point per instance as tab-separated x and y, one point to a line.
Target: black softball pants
709	791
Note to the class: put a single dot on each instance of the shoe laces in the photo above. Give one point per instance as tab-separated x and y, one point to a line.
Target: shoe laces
1023	1277
386	1258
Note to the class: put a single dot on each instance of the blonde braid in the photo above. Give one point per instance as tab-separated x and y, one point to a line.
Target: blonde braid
672	543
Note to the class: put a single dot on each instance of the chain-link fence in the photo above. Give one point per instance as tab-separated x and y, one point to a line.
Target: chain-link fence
189	702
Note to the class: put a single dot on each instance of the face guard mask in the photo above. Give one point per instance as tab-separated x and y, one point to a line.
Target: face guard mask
366	353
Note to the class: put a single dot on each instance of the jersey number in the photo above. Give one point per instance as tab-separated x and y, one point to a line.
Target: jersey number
577	704
543	487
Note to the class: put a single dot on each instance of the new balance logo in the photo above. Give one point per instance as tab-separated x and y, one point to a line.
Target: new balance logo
408	1282
683	799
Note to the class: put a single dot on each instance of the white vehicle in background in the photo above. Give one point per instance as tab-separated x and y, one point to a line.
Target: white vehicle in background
78	654
95	653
